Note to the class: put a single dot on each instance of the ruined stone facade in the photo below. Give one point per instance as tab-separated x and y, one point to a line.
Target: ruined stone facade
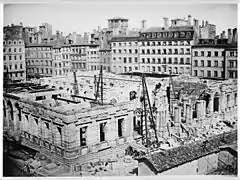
70	137
74	131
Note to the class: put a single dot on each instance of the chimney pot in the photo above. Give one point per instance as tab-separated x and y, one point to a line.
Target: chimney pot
166	24
189	20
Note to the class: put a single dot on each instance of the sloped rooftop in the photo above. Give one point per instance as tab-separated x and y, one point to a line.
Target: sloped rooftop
164	160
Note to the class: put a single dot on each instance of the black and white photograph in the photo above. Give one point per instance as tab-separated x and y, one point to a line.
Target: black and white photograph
118	88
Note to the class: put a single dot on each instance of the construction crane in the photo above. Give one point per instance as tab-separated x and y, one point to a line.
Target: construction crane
99	84
148	115
75	85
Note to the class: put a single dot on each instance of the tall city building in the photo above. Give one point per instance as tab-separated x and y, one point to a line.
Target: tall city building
78	57
216	59
118	25
39	60
46	30
105	57
125	54
208	61
14	54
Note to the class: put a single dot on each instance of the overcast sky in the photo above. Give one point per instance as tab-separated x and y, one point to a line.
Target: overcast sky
85	17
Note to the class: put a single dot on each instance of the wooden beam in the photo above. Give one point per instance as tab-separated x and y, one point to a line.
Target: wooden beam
67	100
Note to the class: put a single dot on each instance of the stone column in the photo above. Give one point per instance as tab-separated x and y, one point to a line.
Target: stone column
198	109
158	121
185	100
210	105
222	102
177	118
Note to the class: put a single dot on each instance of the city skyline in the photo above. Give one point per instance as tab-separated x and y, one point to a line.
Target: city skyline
67	17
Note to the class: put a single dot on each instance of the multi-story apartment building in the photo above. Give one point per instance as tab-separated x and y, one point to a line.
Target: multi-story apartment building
160	49
93	60
39	60
105	56
118	26
168	48
57	61
66	58
78	56
216	59
125	54
231	62
14	60
208	61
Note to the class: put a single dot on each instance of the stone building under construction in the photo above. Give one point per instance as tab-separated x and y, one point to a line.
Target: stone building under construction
77	120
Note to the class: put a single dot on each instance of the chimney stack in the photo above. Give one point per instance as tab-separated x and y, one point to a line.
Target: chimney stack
221	36
189	20
166	23
224	34
229	36
206	23
74	37
57	33
99	28
143	24
234	36
196	22
202	23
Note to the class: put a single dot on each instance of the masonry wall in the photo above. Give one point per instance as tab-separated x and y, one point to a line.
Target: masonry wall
201	166
57	135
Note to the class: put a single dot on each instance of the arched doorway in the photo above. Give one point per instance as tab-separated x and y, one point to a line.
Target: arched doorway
216	102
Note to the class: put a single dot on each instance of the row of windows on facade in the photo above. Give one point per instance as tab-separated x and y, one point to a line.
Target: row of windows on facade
11	57
215	53
106	60
154	51
209	63
49	63
13	67
15	74
79	65
38	49
175	70
83	58
164	61
231	53
156	61
153	43
83	132
47	71
13	42
208	53
48	55
107	68
232	74
209	74
102	132
12	50
232	64
39	55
